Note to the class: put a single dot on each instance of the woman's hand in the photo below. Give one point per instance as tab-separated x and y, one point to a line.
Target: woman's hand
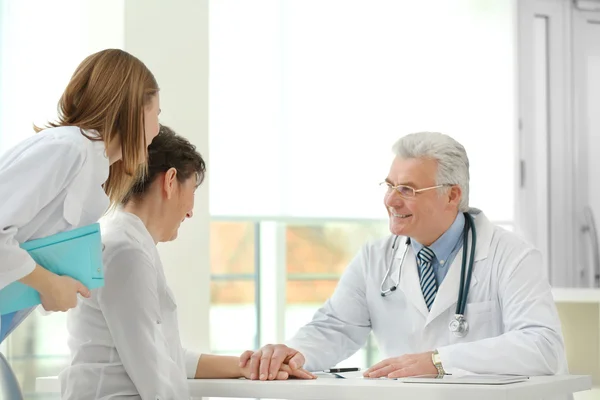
58	293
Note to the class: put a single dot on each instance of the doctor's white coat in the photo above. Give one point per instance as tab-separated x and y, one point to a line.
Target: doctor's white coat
514	327
49	183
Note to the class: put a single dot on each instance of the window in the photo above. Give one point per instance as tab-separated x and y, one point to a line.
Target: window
306	100
316	253
233	313
316	257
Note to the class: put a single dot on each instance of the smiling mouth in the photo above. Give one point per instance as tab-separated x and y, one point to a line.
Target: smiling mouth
403	216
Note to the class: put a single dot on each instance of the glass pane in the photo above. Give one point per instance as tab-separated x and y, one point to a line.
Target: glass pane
232	317
231	247
329	247
372	355
232	292
314	250
310	293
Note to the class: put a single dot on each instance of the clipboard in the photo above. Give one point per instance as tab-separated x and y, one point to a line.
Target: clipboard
76	253
469	379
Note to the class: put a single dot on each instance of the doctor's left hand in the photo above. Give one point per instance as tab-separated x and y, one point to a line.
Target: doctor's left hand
403	366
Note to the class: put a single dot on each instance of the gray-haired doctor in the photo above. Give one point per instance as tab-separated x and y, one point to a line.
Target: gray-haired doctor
446	292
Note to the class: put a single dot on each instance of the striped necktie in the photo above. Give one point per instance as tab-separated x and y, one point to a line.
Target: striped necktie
427	277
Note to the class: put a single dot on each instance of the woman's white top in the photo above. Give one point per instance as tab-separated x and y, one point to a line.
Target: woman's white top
124	340
49	183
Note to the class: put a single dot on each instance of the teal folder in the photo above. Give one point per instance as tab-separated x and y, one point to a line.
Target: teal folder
76	253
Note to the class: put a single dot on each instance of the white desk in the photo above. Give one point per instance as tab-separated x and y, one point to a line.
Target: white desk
361	389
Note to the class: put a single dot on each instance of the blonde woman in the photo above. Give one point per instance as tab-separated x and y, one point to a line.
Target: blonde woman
70	172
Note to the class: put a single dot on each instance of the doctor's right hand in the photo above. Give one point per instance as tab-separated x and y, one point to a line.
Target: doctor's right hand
266	362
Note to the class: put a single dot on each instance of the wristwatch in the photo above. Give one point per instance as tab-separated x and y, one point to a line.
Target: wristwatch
437	362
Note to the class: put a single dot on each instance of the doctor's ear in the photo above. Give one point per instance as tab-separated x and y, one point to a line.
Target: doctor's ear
454	195
170	182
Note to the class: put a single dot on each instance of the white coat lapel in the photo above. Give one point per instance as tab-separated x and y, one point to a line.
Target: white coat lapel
447	295
409	282
485	231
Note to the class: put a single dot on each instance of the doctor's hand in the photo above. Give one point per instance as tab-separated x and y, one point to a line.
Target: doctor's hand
266	362
403	366
282	374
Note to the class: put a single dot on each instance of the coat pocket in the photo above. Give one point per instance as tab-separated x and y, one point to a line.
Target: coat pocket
482	311
481	320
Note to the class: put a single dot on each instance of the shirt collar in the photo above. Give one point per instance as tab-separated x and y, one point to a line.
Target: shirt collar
444	245
133	226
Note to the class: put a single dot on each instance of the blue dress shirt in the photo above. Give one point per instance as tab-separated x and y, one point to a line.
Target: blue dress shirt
445	248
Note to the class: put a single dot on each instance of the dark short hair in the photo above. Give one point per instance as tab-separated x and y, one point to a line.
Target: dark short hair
169	150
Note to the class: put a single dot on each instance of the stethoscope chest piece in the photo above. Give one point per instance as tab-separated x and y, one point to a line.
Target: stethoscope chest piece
459	326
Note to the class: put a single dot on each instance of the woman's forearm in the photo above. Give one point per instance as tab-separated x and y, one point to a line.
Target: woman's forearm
212	366
39	279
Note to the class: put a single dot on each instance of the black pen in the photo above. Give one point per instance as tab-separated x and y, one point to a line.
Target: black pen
340	370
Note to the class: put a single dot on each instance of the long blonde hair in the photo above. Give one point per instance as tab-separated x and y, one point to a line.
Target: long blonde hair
107	93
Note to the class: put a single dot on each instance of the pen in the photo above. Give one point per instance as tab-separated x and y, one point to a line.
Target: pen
339	370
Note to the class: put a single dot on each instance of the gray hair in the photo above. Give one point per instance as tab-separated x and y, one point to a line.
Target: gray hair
453	163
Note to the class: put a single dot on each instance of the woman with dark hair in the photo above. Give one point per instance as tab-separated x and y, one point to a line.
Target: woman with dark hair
124	340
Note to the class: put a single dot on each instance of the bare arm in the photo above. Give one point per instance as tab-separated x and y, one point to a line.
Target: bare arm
216	367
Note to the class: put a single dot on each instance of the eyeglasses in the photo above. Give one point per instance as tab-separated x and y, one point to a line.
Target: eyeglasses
407	191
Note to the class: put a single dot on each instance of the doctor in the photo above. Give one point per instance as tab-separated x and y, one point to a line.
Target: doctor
406	288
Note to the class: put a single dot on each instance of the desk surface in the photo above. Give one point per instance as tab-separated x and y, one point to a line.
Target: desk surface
360	389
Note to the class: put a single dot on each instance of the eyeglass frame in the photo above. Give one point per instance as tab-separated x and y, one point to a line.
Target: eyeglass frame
415	191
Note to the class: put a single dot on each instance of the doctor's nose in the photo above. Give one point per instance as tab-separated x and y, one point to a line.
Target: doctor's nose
393	199
189	214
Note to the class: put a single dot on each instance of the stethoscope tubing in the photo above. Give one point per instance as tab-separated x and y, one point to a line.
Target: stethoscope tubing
464	286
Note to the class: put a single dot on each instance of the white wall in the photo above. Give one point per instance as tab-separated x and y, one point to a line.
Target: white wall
42	43
172	39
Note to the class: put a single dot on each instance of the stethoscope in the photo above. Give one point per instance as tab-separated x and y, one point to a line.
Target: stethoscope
458	326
